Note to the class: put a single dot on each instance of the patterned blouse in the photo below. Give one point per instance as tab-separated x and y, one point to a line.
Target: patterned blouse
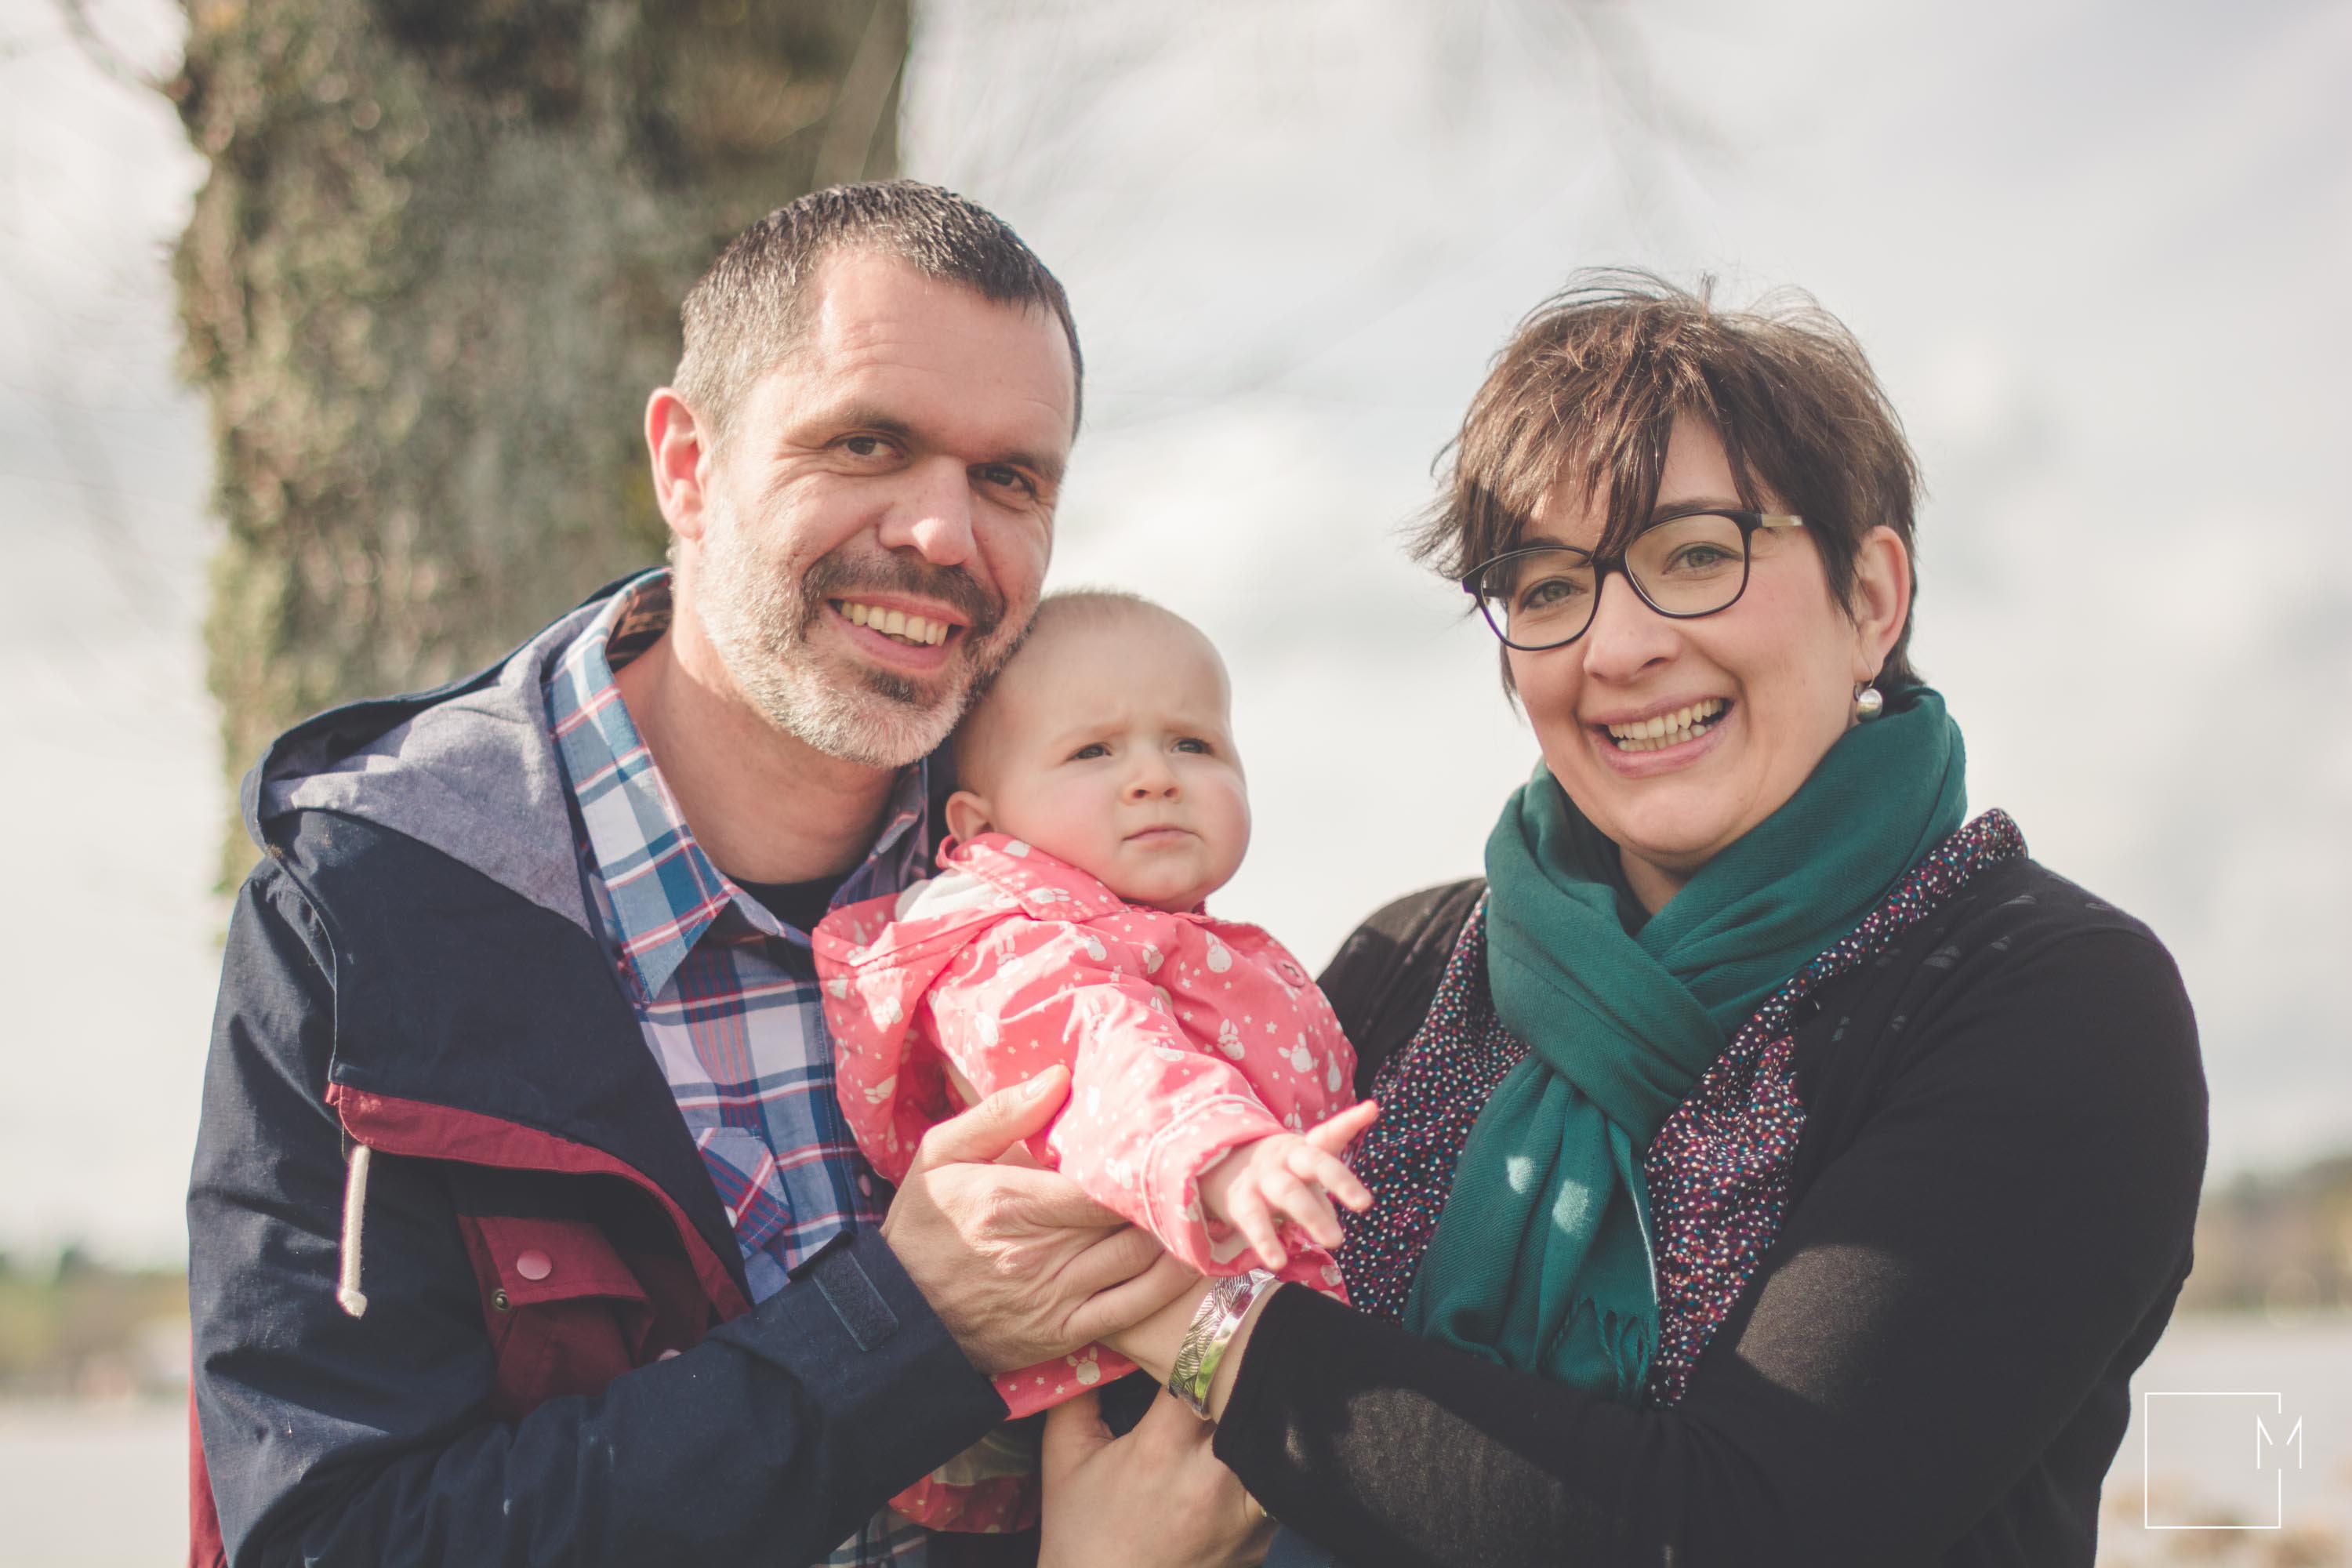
1719	1170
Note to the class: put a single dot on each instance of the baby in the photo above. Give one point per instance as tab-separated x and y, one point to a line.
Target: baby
1211	1090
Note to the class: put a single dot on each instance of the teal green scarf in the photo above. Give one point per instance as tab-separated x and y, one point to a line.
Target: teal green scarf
1541	1258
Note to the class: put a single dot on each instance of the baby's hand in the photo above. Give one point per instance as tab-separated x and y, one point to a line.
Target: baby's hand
1286	1176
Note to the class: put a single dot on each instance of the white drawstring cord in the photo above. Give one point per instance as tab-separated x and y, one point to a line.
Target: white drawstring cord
355	1178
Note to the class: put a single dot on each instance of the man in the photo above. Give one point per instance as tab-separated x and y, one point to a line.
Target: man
523	1225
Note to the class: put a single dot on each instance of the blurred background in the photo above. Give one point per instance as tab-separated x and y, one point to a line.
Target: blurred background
324	331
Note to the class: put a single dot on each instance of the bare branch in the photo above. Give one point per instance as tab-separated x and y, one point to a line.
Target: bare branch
864	91
94	48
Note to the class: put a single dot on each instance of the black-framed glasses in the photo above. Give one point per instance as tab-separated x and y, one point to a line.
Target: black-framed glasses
1690	564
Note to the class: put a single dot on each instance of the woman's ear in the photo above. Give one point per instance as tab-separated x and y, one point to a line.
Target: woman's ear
967	815
1881	600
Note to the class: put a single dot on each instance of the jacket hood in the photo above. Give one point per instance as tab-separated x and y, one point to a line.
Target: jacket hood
469	769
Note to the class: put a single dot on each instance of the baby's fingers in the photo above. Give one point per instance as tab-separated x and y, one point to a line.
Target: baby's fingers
1250	1217
1334	1135
1325	1171
1308	1207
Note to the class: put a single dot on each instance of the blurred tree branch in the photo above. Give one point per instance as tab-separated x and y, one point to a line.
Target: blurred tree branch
99	53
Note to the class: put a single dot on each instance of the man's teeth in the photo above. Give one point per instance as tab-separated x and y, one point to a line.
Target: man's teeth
913	630
1667	729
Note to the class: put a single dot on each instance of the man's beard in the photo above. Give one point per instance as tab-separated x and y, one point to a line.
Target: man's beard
760	624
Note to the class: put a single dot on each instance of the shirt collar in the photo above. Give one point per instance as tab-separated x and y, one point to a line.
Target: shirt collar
662	892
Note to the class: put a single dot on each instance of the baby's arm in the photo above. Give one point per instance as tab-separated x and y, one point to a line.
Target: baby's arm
1148	1111
1292	1176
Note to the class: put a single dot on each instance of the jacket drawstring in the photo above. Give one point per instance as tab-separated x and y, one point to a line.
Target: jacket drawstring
355	1179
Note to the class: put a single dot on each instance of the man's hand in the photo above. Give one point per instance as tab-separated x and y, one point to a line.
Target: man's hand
1019	1265
1156	1497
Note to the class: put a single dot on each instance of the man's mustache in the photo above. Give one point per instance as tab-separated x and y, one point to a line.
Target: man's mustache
831	578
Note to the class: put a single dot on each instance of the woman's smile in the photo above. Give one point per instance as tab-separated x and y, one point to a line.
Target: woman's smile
1661	738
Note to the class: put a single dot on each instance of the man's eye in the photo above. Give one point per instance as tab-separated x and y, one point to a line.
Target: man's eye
1005	477
865	446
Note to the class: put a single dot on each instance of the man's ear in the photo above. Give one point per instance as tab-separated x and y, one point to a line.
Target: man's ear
681	462
1881	597
967	815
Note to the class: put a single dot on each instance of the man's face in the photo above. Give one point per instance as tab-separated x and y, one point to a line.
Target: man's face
869	540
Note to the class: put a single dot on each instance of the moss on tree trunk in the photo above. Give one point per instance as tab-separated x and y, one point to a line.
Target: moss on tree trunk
432	276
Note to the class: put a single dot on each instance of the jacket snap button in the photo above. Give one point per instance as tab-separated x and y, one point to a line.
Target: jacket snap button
534	1265
499	1300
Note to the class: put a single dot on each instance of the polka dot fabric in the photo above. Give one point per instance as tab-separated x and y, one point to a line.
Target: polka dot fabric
1429	1094
1718	1172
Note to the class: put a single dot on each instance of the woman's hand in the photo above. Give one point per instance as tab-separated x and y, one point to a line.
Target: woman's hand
1157	1496
1151	1342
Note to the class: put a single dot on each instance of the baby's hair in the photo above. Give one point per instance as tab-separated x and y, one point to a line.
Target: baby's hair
1091	606
1064	609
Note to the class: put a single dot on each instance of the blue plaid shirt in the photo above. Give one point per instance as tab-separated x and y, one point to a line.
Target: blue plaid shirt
726	993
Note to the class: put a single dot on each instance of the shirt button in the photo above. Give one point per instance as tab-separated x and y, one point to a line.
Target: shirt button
666	1355
865	1186
534	1265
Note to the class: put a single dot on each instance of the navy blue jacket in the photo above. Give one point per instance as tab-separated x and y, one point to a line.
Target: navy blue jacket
515	1330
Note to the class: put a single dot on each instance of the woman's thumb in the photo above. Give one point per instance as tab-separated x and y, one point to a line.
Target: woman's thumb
998	1122
1075	1431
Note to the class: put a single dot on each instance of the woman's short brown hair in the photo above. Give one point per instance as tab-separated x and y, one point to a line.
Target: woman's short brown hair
1591	382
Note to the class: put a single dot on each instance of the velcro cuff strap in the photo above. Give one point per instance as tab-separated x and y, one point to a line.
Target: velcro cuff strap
853	1297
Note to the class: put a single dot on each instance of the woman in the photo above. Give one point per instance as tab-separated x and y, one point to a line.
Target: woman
1776	1164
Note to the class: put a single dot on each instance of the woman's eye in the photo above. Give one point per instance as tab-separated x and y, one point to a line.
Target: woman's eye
1550	591
1699	558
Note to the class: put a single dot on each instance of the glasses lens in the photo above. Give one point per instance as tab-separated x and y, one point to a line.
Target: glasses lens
1538	597
1690	565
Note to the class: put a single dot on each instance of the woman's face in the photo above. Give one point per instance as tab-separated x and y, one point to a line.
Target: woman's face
1782	664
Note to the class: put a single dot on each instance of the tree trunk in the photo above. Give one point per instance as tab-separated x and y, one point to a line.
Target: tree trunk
433	275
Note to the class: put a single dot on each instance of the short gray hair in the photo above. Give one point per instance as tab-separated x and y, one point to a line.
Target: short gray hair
750	309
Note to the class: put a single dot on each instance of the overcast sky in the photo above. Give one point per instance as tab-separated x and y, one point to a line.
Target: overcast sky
2096	250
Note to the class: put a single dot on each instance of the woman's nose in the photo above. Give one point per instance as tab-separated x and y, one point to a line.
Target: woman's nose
1625	634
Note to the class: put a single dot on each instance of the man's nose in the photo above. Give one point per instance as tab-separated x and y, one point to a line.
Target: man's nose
1626	635
932	516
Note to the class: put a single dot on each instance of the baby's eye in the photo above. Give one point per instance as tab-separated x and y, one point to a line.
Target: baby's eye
1090	750
1195	744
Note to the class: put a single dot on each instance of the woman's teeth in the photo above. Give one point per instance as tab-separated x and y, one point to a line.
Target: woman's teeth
1667	729
912	630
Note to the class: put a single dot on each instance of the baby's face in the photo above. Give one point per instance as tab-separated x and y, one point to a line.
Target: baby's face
1111	747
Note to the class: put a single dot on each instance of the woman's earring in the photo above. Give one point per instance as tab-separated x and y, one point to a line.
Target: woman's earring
1868	703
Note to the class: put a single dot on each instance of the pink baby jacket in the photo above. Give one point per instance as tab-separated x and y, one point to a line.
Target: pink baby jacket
1185	1036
